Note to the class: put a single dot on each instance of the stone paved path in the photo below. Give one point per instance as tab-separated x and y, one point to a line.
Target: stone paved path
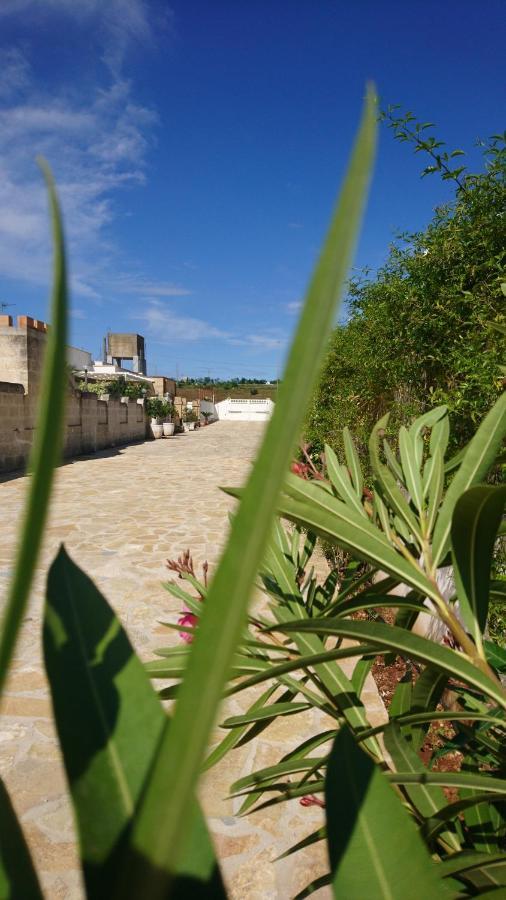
121	514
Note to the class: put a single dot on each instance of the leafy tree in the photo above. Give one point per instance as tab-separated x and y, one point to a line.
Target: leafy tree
424	329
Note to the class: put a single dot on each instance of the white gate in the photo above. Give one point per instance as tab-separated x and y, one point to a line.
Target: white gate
245	410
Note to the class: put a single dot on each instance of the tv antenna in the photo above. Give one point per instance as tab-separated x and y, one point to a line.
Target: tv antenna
5	306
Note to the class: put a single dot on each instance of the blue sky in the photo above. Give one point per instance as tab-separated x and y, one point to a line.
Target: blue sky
198	148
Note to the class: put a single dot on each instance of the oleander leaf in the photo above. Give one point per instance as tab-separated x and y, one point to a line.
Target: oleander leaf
475	522
427	799
393	638
478	458
375	849
109	723
46	450
160	826
18	879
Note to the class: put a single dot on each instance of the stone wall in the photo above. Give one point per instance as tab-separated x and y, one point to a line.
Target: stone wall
91	423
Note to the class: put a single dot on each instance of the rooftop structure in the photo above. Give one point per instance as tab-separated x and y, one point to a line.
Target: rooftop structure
121	347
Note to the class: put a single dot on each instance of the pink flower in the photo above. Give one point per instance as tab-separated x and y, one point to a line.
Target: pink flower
299	469
311	800
187	620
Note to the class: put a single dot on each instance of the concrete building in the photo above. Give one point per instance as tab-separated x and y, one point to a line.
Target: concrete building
163	387
130	347
91	423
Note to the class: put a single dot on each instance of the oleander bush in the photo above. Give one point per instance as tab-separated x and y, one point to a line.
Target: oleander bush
424	519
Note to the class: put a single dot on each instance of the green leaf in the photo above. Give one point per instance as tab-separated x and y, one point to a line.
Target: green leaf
459	863
264	777
401	700
353	462
235	736
267	712
333	520
313	886
410	467
475	521
341	481
319	835
18	879
427	799
161	827
386	484
452	812
393	638
374	847
46	449
478	458
335	682
436	716
109	722
495	655
392	461
435	485
471	780
440	435
428	420
426	695
306	661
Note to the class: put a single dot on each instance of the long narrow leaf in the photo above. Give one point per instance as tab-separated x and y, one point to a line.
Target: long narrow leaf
109	722
428	799
161	826
392	638
333	520
479	456
475	521
374	848
18	879
47	445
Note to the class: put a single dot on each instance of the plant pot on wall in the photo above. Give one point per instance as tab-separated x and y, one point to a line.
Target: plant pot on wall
156	428
168	429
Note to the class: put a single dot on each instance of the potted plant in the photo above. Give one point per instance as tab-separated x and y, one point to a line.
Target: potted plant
206	415
156	409
189	420
168	424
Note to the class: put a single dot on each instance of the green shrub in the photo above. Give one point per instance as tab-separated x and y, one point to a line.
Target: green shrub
116	387
157	408
421	331
405	533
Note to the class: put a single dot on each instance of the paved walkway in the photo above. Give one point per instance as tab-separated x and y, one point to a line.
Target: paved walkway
121	514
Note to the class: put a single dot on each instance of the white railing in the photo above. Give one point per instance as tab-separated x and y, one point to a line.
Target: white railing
254	410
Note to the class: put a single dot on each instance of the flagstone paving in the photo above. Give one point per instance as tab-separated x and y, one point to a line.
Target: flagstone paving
121	514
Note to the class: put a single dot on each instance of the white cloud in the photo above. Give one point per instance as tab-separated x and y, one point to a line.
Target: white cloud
265	341
294	306
96	145
136	284
163	325
166	326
